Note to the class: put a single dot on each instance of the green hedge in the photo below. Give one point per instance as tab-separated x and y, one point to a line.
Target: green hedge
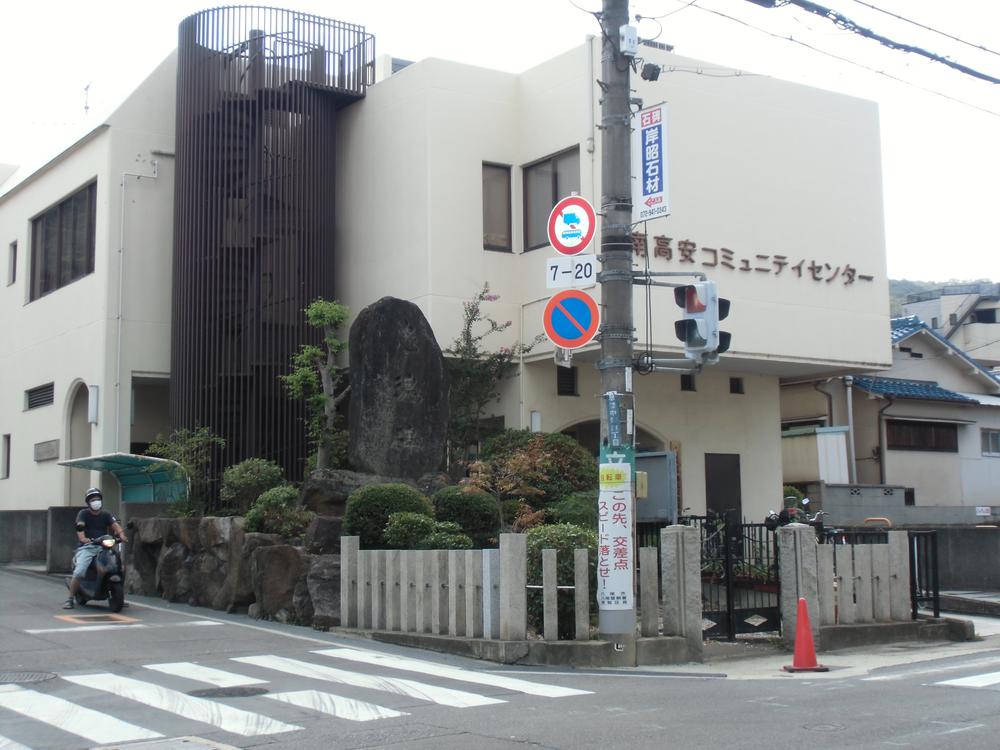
369	508
474	511
244	482
564	538
277	511
580	509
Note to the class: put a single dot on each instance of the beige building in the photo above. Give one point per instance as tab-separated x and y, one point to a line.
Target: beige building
445	177
929	425
968	315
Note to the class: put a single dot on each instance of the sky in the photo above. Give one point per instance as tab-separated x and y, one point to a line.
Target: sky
67	64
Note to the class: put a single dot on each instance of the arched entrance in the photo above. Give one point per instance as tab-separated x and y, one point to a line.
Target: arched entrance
78	443
588	434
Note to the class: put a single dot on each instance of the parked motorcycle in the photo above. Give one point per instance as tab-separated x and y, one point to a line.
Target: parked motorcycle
796	515
105	578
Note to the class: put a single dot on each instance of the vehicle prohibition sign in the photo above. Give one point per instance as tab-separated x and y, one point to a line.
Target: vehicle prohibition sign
572	224
571	319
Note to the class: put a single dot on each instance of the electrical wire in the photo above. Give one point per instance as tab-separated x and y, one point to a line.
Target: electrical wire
927	28
849	61
677	10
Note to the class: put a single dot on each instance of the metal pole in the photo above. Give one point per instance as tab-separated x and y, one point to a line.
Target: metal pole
616	625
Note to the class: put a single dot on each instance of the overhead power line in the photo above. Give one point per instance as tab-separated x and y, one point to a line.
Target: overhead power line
848	25
793	40
928	28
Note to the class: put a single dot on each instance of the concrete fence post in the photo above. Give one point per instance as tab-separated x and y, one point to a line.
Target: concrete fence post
393	590
439	592
424	581
491	593
349	547
473	594
844	561
407	591
797	569
550	596
680	561
864	610
649	600
456	592
378	589
880	583
365	589
825	589
513	580
581	594
899	576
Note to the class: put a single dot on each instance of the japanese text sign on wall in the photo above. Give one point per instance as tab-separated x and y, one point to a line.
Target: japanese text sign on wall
649	165
615	564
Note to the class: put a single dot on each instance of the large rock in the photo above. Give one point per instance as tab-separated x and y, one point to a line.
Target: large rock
238	590
399	392
325	491
173	573
323	581
323	535
275	572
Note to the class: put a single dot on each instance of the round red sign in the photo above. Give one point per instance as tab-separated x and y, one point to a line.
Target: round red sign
572	224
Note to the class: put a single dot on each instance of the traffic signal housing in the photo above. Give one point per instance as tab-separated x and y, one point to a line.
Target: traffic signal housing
699	328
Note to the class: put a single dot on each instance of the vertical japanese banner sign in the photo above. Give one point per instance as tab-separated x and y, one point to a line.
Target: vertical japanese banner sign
649	165
615	562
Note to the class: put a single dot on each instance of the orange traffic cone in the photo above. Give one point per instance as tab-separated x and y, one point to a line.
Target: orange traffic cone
804	659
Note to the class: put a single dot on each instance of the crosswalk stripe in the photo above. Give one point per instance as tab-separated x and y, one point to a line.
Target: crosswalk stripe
69	717
336	705
977	680
224	717
199	673
452	673
411	688
8	744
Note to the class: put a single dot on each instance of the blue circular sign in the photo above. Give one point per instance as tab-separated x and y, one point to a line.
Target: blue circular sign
571	319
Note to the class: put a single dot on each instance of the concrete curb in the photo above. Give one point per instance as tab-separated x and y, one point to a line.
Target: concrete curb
835	637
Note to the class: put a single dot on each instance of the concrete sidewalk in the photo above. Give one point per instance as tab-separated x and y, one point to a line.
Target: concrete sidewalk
971	602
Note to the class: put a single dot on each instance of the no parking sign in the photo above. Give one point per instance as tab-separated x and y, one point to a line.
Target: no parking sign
571	319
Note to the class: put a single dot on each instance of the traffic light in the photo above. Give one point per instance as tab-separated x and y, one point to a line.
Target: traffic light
699	328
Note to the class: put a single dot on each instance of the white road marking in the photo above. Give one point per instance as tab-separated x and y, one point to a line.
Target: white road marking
198	673
452	673
122	626
218	715
336	705
69	717
9	744
933	670
975	681
410	688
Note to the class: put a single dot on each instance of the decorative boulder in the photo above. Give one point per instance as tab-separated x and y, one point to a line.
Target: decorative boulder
398	417
323	581
275	572
325	491
323	535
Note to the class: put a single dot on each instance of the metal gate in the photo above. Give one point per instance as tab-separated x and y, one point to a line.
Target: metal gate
739	577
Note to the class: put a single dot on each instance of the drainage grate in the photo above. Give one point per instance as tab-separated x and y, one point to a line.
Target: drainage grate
15	678
228	692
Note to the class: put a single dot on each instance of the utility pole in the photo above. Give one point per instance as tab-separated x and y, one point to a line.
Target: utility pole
617	624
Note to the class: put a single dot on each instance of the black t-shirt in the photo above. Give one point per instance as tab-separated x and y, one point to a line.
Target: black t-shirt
94	525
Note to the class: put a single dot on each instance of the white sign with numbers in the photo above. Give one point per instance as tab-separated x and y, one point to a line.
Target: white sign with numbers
571	272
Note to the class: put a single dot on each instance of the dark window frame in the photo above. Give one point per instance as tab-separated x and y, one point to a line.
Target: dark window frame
688	383
56	262
910	435
567	381
990	436
509	171
986	316
736	386
556	196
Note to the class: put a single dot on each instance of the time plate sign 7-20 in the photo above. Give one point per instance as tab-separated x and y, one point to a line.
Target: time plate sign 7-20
571	272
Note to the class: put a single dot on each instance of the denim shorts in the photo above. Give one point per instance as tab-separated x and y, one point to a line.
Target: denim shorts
82	558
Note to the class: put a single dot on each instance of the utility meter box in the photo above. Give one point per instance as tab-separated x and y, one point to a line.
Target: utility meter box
629	40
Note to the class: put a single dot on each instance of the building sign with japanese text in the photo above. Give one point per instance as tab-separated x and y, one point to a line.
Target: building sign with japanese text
615	564
689	255
649	165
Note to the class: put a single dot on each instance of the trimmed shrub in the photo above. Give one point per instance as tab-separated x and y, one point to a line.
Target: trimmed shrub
474	511
244	482
369	508
564	538
559	465
277	511
446	535
407	530
579	509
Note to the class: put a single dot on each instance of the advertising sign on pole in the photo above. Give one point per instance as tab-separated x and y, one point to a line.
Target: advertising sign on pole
649	165
572	224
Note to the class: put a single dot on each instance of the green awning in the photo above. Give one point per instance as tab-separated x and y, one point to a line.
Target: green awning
143	479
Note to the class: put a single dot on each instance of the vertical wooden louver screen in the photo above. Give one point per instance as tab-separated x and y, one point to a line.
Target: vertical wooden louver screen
258	91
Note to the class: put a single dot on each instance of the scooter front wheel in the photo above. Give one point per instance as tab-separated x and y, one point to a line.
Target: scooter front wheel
116	596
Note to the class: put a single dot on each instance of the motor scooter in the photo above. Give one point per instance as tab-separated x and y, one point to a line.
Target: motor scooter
105	578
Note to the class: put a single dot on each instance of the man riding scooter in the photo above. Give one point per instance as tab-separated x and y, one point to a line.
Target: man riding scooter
91	523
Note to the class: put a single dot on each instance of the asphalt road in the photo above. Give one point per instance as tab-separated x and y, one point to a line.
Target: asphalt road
172	676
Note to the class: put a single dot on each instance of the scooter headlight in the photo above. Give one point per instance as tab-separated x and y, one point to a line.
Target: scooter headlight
108	543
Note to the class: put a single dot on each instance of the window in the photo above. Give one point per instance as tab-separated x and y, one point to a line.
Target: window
909	496
922	436
496	207
985	316
41	395
687	383
545	183
5	458
62	242
736	385
566	381
12	264
991	442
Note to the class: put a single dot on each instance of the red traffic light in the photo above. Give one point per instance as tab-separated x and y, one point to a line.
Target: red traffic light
687	297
